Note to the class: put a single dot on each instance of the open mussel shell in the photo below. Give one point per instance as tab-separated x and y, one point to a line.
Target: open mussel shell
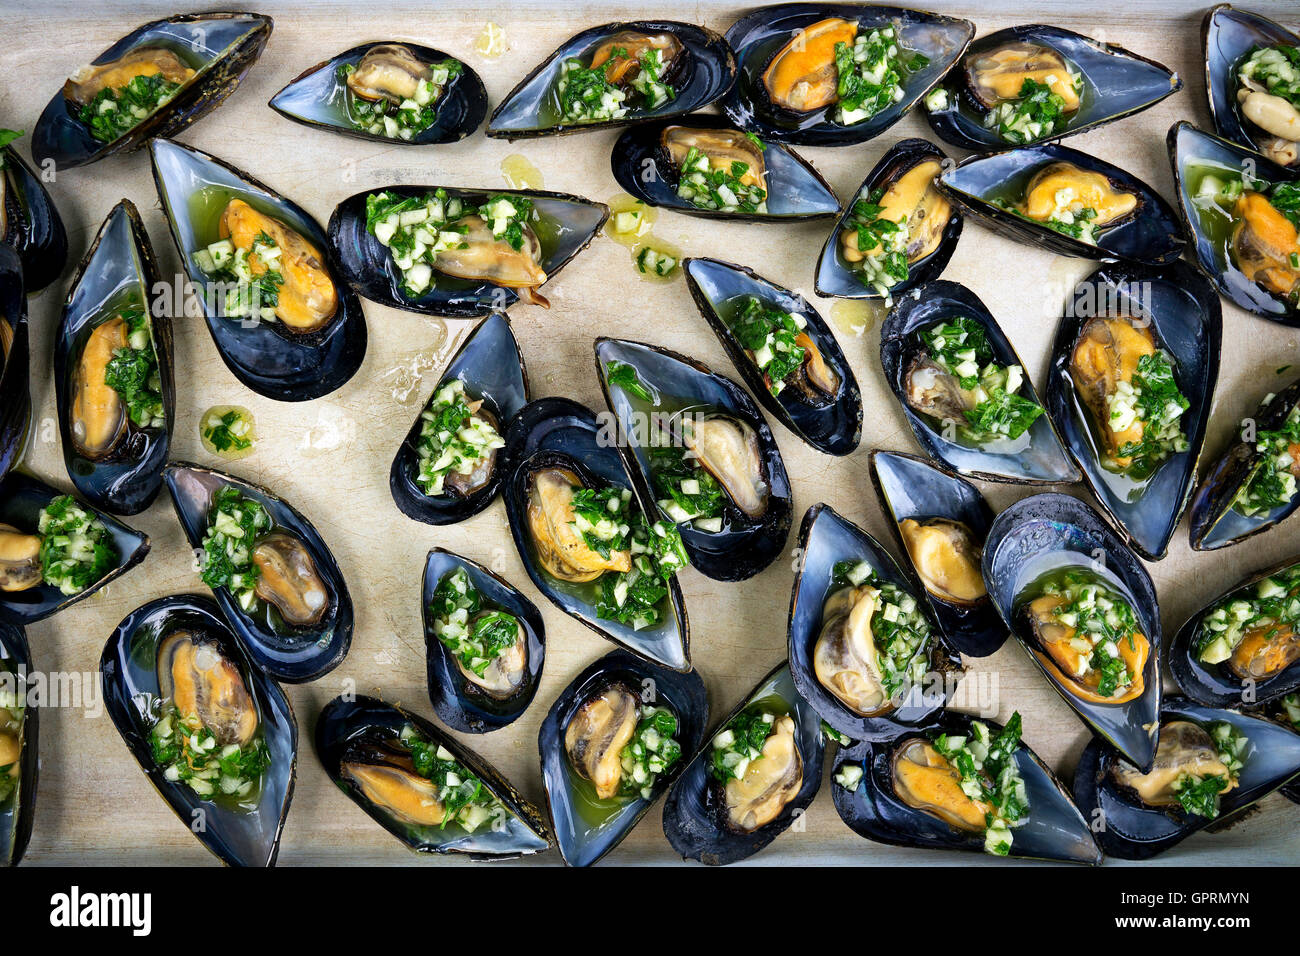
836	277
826	539
745	545
1185	318
1215	685
21	500
695	813
30	222
492	368
118	273
1228	37
268	358
565	225
1048	533
219	47
15	362
318	98
913	487
1053	830
758	36
707	70
1151	234
17	812
557	431
1195	155
587	827
1214	522
348	720
831	425
1036	458
290	653
795	190
459	703
1136	831
1116	83
129	674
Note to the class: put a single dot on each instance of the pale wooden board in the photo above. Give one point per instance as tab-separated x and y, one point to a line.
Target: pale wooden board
331	457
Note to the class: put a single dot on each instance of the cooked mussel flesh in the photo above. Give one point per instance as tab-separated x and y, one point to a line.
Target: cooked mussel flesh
911	201
621	54
562	548
596	735
1076	201
1265	244
20	559
507	671
769	782
386	776
481	256
925	780
802	76
87	82
287	578
946	557
99	416
846	660
1266	75
998	75
728	449
388	71
720	148
932	390
1185	750
196	676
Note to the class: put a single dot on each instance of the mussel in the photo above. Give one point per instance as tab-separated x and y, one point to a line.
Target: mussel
29	220
386	777
20	559
180	69
288	579
176	661
15	371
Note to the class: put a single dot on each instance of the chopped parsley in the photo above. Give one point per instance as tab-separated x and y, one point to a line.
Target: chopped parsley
188	752
624	376
229	431
466	800
1199	795
990	774
880	254
724	189
1276	69
1273	607
405	119
650	261
769	335
235	523
899	627
1273	482
76	549
688	491
114	112
253	275
588	95
1037	113
871	74
740	743
12	706
651	753
133	372
1101	621
997	412
476	639
455	440
1152	398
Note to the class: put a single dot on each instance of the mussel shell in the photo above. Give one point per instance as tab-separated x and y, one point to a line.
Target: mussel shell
1117	83
283	365
316	98
346	719
1053	830
582	843
795	190
1186	320
21	500
1214	523
491	365
744	546
1188	145
563	432
833	427
1214	684
221	47
17	813
32	224
825	539
835	278
1046	532
1227	36
368	267
290	654
709	62
695	814
120	269
1134	831
762	32
1153	234
913	487
1042	462
458	702
15	369
128	669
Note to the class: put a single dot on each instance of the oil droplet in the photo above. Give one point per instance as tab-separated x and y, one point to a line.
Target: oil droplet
856	316
491	41
228	431
630	220
519	173
404	379
656	260
333	430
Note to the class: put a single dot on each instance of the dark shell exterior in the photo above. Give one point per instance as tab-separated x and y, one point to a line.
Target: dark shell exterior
221	47
120	270
347	719
570	799
459	703
1135	831
710	66
1117	83
288	653
18	812
745	545
491	365
759	34
1048	532
32	222
15	370
316	98
1187	322
282	365
128	669
1042	461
